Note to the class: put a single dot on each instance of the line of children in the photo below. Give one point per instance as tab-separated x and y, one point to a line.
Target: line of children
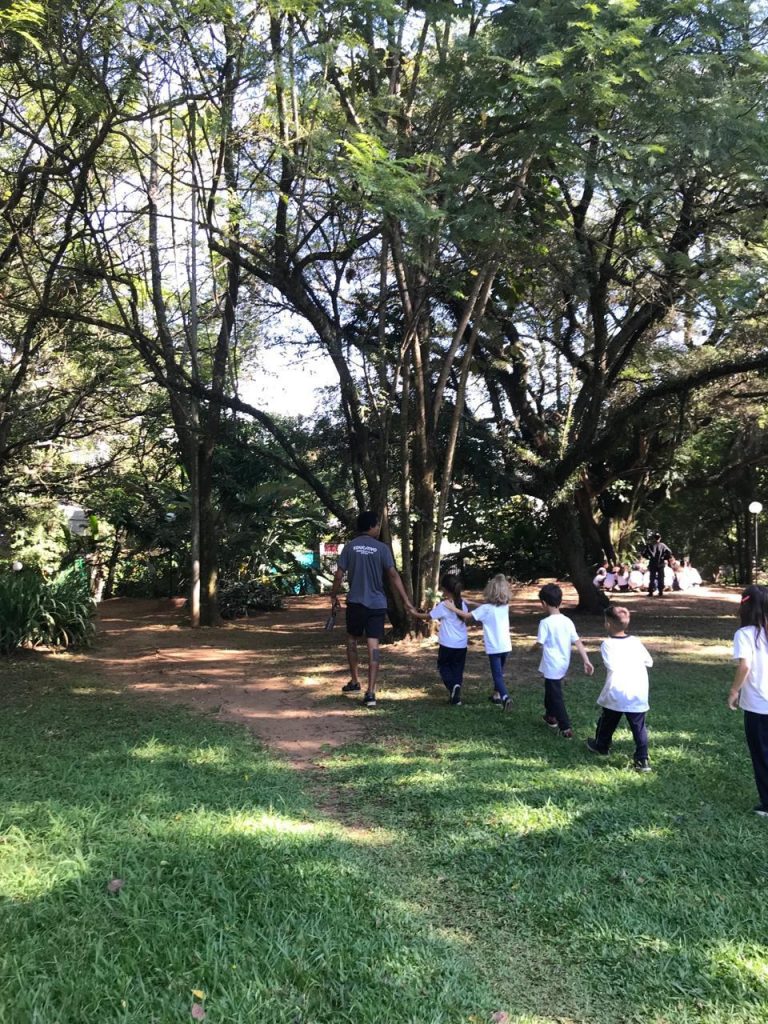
624	656
626	688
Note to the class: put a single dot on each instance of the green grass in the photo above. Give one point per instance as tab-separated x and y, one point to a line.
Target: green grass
467	862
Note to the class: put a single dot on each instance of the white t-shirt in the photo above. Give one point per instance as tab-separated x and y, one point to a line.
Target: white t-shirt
627	662
753	695
556	634
495	622
453	631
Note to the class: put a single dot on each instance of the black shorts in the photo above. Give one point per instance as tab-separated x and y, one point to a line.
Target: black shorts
364	621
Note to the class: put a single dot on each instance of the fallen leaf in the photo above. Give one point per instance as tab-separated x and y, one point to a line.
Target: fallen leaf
198	994
115	885
197	1011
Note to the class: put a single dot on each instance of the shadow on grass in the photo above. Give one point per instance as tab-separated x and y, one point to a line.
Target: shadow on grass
233	884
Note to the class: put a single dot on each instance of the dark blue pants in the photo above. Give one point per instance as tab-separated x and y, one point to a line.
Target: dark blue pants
656	579
497	672
606	726
756	730
450	665
554	702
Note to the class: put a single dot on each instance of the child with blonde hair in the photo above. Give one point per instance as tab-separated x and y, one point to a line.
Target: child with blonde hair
493	616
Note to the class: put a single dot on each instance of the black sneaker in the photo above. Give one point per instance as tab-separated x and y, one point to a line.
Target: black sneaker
351	687
456	695
594	749
565	734
644	765
370	700
760	811
495	699
550	721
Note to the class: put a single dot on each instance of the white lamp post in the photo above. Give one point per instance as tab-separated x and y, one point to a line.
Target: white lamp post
755	508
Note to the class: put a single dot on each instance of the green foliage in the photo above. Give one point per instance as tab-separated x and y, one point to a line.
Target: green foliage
35	611
509	536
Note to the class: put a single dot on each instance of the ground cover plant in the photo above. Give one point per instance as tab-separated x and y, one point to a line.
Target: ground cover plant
461	864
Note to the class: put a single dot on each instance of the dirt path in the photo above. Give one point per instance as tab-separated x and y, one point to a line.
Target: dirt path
280	673
271	672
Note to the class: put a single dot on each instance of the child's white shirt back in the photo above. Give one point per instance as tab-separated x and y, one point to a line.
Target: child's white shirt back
556	634
753	695
495	622
627	663
453	631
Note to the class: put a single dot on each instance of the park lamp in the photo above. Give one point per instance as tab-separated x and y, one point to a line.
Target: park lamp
755	507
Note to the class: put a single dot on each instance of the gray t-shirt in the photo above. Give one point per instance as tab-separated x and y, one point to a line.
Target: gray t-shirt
365	560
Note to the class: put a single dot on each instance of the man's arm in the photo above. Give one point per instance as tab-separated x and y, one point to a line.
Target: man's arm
397	583
338	576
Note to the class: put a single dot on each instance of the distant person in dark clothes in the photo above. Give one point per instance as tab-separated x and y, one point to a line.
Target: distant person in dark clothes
366	562
659	556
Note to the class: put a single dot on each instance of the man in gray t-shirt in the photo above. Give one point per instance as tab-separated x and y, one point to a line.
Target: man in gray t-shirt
366	562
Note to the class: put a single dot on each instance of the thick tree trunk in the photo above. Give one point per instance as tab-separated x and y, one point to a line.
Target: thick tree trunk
209	546
566	524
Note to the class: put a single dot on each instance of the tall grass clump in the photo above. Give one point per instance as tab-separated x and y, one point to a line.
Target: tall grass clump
35	611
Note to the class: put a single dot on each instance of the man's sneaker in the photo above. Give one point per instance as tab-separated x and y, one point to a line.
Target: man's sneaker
351	687
495	699
456	695
370	700
506	703
565	734
593	748
760	811
550	721
642	766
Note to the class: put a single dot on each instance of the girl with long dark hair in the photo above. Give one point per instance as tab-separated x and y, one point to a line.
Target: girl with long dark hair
750	685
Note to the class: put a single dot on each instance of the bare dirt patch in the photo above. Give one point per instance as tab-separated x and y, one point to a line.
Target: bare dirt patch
280	673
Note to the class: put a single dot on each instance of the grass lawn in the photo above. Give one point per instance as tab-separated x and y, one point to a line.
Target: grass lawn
466	864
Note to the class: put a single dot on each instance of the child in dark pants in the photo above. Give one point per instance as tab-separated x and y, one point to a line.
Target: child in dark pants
556	635
626	688
452	638
750	685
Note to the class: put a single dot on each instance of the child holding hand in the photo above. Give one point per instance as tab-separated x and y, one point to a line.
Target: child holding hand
493	616
556	635
451	637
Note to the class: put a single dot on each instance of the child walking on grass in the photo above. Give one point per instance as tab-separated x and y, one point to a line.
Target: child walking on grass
493	616
452	636
556	635
750	685
626	688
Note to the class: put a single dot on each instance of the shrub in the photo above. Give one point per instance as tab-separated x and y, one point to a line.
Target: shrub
35	611
242	597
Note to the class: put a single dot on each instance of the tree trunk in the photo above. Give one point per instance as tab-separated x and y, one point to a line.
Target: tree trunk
114	557
566	527
209	545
